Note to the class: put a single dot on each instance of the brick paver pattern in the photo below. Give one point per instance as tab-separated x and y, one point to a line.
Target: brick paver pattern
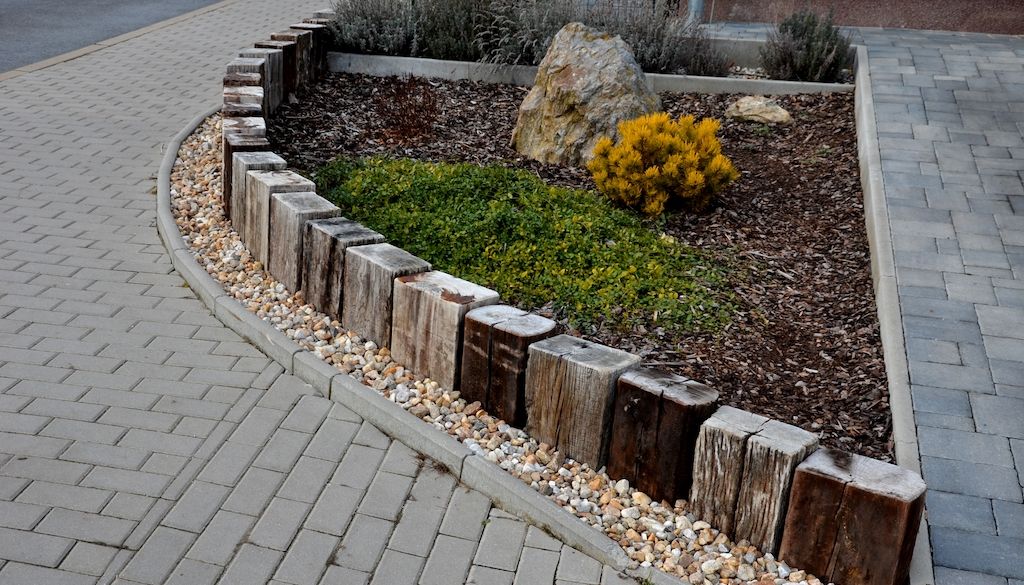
141	441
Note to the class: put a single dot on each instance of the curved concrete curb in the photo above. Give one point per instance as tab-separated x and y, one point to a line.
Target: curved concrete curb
890	320
507	492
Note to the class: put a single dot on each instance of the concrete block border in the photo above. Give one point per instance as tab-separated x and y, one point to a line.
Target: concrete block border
890	320
382	65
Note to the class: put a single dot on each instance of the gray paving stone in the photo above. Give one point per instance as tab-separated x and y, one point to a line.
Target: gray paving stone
962	446
253	564
501	544
479	575
397	568
334	509
229	464
332	440
283	450
20	515
386	495
307	558
336	574
998	415
88	559
59	495
364	543
401	459
537	566
190	572
448	562
221	537
370	436
128	506
1009	518
254	491
196	507
578	567
279	523
974	479
992	555
33	548
17	574
358	466
947	576
417	528
969	513
433	487
158	557
307	479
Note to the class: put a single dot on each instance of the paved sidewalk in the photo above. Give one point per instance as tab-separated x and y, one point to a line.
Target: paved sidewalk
949	110
140	439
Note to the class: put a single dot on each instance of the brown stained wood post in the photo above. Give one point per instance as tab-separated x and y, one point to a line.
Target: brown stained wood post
233	180
510	343
303	40
245	100
289	213
370	273
259	186
274	81
570	391
475	376
321	39
853	519
770	461
236	140
426	323
718	465
323	248
288	56
655	423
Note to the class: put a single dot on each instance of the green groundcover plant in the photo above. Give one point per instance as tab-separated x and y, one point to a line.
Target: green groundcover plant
597	264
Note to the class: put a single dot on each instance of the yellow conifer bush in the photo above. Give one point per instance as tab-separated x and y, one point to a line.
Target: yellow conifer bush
658	160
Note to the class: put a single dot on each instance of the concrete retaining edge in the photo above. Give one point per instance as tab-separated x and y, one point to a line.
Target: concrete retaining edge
383	65
890	320
507	492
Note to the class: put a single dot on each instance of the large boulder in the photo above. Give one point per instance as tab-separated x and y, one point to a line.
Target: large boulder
587	83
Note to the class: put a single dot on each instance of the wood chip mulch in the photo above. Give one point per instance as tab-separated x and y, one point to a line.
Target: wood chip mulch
804	349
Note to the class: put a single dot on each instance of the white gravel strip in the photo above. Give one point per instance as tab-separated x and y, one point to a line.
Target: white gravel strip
659	534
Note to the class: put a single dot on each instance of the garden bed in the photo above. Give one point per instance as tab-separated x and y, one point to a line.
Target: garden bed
801	344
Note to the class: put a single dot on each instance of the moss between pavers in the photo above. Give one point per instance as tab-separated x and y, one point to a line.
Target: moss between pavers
535	244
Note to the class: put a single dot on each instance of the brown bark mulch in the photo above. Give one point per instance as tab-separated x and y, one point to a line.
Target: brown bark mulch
805	347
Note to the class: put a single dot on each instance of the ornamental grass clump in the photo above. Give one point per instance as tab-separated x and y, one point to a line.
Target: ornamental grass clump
659	162
806	47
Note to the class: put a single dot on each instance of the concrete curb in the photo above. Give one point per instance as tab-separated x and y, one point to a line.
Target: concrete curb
890	320
381	65
507	492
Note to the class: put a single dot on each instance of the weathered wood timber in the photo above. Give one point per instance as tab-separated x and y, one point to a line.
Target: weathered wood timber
570	391
321	39
233	141
655	423
853	520
233	181
246	100
259	186
287	49
510	344
475	379
303	40
252	126
718	465
769	464
274	85
370	273
239	79
289	213
253	66
426	323
323	248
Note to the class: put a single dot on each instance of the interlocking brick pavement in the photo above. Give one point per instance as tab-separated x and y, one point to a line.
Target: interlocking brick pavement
140	440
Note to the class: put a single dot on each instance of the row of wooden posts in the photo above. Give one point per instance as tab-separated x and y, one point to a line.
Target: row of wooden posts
843	517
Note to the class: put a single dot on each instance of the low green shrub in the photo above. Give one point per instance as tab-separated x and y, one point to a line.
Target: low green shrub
806	47
535	244
376	27
445	29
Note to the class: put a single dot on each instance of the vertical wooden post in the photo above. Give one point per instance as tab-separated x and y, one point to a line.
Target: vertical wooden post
718	465
321	38
655	423
255	66
510	344
232	142
274	73
769	463
252	126
259	186
370	273
233	181
288	57
324	245
475	379
570	390
245	100
289	213
426	323
303	40
852	519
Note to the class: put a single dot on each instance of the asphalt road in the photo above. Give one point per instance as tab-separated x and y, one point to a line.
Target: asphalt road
33	30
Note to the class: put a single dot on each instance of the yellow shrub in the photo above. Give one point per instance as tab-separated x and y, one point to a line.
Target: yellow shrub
658	159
